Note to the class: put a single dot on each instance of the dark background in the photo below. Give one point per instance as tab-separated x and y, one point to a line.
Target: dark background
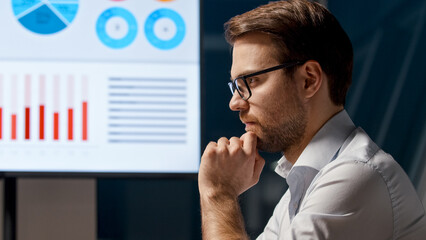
387	99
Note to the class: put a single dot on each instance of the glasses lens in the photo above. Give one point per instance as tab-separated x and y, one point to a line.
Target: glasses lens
242	88
231	87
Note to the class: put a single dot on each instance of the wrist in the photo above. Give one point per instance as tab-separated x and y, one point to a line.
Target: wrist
217	195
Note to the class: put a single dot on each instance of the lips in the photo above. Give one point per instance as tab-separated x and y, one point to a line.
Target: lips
248	123
249	126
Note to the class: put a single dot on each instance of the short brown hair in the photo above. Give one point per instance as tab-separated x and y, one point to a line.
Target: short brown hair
302	30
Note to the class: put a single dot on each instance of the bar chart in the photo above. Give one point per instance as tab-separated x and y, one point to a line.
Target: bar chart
99	117
34	107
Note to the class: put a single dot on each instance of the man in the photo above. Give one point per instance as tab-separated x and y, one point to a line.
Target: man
291	69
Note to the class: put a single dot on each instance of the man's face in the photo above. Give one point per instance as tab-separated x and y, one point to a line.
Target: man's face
274	112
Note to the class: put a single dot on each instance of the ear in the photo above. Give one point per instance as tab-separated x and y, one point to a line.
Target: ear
311	73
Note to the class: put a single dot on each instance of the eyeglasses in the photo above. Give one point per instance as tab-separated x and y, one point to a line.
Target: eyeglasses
240	84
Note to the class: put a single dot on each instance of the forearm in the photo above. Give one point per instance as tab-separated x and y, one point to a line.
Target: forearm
222	218
228	168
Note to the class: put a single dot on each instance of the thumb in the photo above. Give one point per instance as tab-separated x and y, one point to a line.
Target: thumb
249	142
259	163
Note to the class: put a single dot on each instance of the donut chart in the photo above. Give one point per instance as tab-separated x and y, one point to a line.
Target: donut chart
45	16
116	28
165	29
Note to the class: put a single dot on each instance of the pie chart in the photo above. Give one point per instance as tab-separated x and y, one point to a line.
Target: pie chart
45	16
116	28
165	29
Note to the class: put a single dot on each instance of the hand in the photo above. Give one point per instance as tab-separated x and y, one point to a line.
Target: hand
230	166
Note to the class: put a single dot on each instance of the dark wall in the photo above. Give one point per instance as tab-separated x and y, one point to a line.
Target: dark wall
387	99
388	94
148	209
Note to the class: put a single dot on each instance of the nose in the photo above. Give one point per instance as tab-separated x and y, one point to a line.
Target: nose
237	103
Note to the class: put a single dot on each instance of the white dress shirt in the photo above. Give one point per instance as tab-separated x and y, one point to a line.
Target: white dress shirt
343	186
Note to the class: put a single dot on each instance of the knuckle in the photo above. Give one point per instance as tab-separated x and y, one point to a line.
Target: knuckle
207	154
222	150
210	150
210	146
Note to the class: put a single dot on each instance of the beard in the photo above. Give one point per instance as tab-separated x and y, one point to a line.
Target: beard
284	136
283	131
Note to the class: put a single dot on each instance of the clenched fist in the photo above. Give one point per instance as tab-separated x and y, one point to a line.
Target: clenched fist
230	167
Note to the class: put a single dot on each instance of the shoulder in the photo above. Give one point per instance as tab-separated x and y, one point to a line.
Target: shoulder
365	164
348	200
354	183
361	168
368	184
355	180
349	197
360	157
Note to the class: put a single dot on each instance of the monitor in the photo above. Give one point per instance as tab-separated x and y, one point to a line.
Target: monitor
100	86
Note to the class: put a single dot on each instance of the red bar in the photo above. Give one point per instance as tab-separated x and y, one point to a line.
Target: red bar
41	113
56	126
85	121
1	120
70	123
13	126
27	123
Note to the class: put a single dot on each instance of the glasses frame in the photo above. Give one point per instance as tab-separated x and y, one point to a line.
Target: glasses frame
233	86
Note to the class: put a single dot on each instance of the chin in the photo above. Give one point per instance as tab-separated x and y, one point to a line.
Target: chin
268	145
265	147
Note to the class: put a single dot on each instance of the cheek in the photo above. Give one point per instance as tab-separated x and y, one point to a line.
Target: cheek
273	102
272	113
277	109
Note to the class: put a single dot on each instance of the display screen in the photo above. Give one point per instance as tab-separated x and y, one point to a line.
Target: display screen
100	86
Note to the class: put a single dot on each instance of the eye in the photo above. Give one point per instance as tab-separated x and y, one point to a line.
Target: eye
252	81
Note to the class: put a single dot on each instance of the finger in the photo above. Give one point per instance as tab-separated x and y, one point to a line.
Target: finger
249	142
211	145
223	141
234	141
209	150
259	163
222	146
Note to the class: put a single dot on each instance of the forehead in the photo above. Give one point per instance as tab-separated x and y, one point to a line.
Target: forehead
252	52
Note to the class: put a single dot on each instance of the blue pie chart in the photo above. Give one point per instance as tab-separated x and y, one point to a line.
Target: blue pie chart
165	29
116	28
45	16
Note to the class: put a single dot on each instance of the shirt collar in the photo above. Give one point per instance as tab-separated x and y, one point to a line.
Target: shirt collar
323	146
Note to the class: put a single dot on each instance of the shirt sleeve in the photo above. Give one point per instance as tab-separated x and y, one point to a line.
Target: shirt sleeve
347	200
